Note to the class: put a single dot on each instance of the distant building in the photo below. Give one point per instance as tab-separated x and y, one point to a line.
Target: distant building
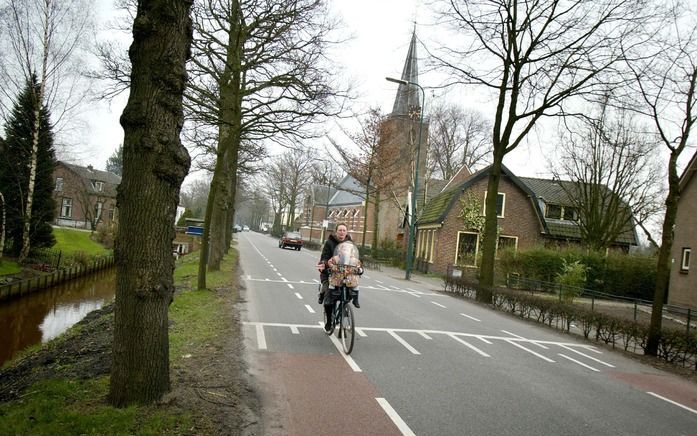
85	196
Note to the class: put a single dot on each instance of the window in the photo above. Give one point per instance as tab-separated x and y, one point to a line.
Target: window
500	204
112	214
685	262
467	248
570	213
59	183
356	212
67	208
507	243
98	186
553	211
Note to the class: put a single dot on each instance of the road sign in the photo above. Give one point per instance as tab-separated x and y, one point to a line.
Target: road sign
194	230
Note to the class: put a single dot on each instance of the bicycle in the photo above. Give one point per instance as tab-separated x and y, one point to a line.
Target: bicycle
342	313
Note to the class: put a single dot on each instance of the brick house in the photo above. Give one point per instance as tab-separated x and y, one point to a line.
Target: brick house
532	212
85	197
683	280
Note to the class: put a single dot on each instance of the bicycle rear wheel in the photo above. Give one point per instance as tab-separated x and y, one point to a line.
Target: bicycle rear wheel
347	329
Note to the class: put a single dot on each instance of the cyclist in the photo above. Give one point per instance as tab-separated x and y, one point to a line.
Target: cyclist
325	261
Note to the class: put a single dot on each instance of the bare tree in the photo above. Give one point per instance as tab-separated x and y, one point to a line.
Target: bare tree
666	81
297	164
154	166
615	178
457	137
533	57
42	41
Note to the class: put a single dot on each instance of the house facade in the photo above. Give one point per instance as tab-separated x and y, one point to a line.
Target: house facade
449	230
85	197
683	279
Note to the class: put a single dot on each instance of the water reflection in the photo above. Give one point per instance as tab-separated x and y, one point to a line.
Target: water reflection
41	316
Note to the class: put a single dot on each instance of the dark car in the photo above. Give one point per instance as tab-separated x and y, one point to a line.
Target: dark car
291	239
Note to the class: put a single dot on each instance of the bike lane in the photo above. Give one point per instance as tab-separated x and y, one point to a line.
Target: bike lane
307	394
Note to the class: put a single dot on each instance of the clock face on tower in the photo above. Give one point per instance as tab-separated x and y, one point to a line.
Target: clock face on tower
414	112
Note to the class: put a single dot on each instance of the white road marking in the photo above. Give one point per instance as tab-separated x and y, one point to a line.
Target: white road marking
310	309
470	346
403	342
471	317
297	294
425	335
484	340
673	402
290	286
394	416
284	280
396	287
520	337
378	281
438	304
587	356
280	275
294	330
261	338
348	359
534	353
361	333
249	277
578	363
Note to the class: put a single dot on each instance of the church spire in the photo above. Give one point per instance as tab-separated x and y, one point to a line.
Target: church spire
408	95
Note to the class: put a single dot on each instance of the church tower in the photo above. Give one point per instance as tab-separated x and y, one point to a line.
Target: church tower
404	125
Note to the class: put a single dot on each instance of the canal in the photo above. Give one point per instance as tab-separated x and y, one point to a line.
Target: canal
41	316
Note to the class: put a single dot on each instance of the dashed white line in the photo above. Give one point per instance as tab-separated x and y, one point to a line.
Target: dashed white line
310	309
471	317
261	338
470	346
361	333
394	416
587	356
297	294
403	342
438	304
425	336
521	337
672	402
534	353
578	363
294	329
290	286
348	359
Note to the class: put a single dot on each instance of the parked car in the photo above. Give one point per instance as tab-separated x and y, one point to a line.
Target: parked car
245	228
291	239
236	228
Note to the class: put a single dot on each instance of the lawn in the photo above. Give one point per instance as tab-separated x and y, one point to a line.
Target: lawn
9	267
71	241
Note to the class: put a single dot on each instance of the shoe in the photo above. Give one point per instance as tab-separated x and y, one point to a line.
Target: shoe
355	303
327	328
320	299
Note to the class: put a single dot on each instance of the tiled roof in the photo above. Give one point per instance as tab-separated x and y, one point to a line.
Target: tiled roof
349	192
88	174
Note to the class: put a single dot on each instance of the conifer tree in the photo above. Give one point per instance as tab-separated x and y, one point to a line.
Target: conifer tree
15	162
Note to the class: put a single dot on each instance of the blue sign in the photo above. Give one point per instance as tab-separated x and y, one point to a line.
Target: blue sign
194	230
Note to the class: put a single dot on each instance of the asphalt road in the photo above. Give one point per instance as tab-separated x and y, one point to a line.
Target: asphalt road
426	363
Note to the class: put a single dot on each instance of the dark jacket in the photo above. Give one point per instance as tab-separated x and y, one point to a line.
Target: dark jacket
328	251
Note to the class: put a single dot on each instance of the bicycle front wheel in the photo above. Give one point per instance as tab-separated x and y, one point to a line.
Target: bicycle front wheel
347	329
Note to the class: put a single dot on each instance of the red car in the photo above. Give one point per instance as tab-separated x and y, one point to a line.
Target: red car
291	239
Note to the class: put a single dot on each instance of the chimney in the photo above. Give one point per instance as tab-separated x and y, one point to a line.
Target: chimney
90	168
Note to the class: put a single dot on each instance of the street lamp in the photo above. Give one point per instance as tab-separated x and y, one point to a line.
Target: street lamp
412	221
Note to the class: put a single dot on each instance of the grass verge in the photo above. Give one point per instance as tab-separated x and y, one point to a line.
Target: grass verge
71	241
9	267
72	402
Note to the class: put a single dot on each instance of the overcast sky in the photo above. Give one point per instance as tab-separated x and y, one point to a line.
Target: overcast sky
381	31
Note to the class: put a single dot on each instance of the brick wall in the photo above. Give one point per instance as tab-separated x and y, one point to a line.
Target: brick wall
519	220
683	284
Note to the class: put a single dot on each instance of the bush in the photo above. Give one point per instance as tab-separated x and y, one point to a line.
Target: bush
572	278
106	234
617	274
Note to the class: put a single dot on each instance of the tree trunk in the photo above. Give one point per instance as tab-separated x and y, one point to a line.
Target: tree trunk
376	222
2	224
664	259
26	229
155	164
486	270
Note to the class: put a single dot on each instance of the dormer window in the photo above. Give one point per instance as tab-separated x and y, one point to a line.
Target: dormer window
98	186
559	212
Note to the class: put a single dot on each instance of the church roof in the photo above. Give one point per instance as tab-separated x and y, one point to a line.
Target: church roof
408	95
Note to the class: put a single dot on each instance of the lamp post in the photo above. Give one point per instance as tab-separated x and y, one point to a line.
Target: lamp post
412	211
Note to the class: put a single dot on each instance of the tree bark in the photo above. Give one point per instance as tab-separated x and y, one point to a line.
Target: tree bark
155	164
